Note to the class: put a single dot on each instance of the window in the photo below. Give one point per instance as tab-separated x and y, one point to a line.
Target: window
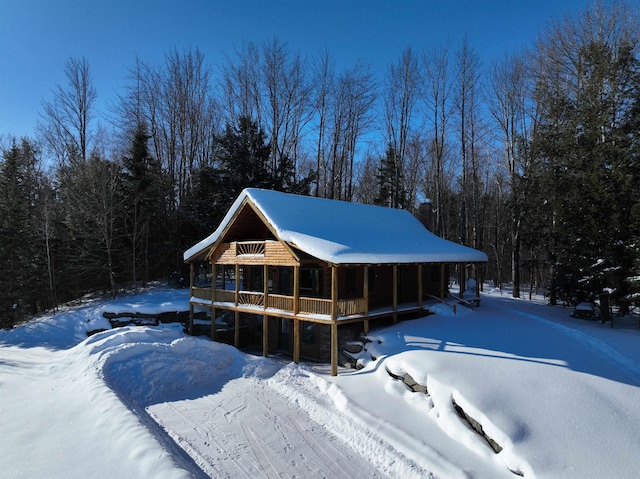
372	279
226	277
435	273
257	278
311	280
351	280
308	333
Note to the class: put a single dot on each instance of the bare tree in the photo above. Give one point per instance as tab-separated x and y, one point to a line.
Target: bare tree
288	106
174	100
324	72
366	188
508	106
467	108
437	98
350	116
66	119
402	85
241	86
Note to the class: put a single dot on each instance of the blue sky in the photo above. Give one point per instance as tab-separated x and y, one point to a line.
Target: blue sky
38	36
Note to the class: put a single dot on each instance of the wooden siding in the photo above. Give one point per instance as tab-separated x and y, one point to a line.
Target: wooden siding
253	253
277	254
225	253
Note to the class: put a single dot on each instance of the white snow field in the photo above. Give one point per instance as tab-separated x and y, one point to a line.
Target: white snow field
557	396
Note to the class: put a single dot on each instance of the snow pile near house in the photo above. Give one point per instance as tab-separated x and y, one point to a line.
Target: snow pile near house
156	301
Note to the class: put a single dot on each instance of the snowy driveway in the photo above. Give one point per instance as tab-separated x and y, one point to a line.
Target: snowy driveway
249	430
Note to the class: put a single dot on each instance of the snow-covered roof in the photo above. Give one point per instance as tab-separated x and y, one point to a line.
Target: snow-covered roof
345	233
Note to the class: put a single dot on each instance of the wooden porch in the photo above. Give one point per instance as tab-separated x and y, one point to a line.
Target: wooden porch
269	279
277	304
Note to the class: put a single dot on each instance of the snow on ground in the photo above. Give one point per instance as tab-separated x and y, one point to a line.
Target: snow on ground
560	396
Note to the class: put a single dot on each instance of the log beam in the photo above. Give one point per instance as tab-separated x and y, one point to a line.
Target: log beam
334	320
296	309
395	293
420	286
265	319
191	273
365	295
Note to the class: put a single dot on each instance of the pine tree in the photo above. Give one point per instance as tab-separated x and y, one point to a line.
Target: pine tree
244	158
586	81
142	201
242	161
91	201
21	263
391	191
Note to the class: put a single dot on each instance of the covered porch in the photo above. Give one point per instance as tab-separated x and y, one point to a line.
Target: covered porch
334	295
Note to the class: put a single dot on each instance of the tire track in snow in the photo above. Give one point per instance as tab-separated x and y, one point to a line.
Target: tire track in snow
267	466
190	445
342	470
252	432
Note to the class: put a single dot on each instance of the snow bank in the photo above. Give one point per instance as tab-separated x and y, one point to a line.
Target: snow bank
559	395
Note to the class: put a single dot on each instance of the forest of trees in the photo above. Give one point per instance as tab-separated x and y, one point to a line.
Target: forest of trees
534	159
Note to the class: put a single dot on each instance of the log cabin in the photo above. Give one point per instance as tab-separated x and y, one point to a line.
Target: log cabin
304	275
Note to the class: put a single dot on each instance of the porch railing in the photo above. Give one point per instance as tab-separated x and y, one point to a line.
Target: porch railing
346	307
249	298
315	306
225	296
278	301
201	293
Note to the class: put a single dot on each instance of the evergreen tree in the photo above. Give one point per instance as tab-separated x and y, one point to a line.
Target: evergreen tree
91	201
583	94
391	191
21	261
142	202
244	158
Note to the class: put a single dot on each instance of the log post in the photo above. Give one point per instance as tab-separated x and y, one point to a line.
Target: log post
334	320
265	319
365	295
296	340
213	301
334	348
191	273
237	295
213	323
442	278
395	293
236	331
296	321
420	286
